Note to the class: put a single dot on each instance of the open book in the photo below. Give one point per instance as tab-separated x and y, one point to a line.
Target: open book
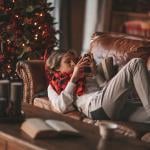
38	128
106	69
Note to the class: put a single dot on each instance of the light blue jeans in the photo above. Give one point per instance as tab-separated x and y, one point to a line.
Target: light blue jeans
133	74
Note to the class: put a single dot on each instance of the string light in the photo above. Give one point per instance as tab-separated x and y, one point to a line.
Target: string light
16	16
41	15
8	41
35	23
39	27
8	66
43	32
36	36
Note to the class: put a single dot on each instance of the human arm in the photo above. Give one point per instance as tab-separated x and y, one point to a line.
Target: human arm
96	73
63	101
78	72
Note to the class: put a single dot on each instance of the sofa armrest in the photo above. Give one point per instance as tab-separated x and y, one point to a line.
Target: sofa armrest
32	73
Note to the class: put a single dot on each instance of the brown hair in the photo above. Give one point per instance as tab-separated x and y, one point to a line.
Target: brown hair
54	60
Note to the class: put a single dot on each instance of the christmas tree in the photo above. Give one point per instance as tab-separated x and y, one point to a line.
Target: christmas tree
26	32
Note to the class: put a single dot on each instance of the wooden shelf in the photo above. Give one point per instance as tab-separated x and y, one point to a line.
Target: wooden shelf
120	17
132	14
128	10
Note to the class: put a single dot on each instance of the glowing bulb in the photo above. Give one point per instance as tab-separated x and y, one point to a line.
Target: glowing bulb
8	40
43	32
36	37
41	14
39	27
8	67
35	23
23	44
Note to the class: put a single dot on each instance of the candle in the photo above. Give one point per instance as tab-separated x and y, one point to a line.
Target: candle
16	94
4	89
3	106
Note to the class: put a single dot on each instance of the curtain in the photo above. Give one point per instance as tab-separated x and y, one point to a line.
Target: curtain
97	18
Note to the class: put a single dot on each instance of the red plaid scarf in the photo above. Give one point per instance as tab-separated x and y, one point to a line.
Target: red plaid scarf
60	80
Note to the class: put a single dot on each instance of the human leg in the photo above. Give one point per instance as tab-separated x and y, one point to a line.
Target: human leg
134	73
139	115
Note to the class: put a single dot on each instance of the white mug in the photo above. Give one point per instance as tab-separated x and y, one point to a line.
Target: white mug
107	129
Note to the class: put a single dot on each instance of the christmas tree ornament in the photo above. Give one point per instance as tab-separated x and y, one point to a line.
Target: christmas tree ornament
26	32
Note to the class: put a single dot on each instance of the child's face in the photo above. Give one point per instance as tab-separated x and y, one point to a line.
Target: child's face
67	63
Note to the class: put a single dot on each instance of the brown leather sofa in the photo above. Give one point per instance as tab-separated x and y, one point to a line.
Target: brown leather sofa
119	46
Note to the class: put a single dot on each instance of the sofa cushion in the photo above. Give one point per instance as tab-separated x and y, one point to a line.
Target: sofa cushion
43	102
42	93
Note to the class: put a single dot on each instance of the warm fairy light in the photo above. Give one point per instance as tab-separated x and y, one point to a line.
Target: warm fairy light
36	36
16	16
43	32
23	28
41	14
8	41
8	66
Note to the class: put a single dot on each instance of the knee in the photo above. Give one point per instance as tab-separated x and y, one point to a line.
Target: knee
136	60
135	63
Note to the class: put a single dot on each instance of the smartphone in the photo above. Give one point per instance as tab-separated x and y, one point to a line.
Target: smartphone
87	69
86	55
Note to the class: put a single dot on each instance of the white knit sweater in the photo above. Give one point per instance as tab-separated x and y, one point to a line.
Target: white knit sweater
66	100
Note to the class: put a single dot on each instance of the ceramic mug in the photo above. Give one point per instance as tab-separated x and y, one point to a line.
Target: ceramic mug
107	129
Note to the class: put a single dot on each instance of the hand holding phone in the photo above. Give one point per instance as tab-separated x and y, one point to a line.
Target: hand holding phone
91	65
87	58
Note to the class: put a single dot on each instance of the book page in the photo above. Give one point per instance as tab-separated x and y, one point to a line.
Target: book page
61	126
36	127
